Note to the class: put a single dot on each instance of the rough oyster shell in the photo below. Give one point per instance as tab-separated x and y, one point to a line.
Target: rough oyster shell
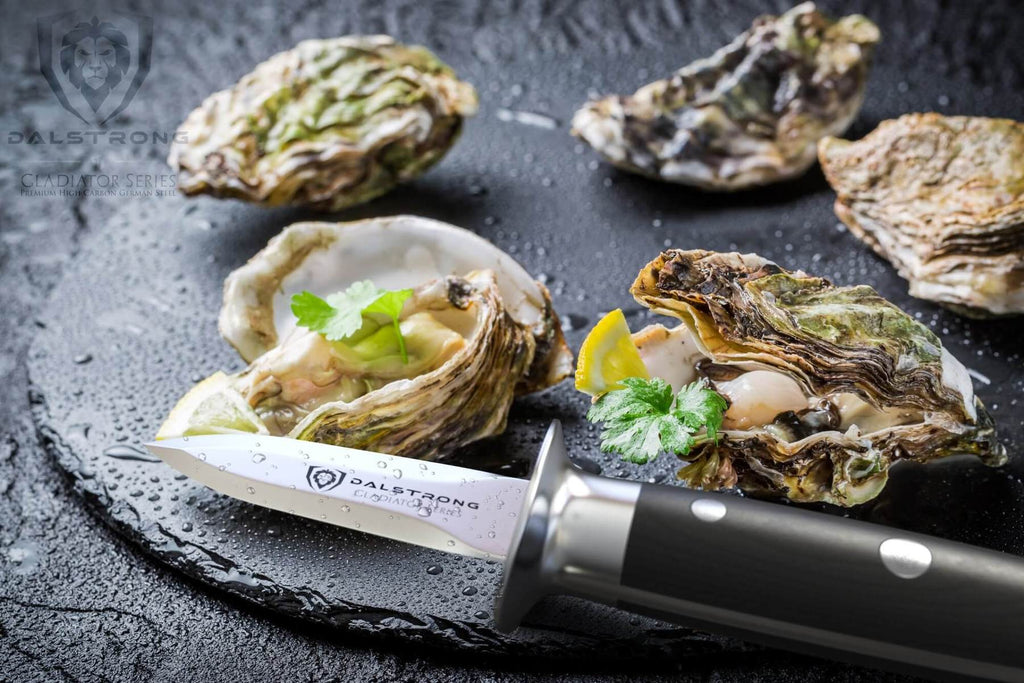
465	399
750	114
328	124
909	398
511	342
942	198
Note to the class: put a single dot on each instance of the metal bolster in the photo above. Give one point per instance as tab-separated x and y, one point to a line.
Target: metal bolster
571	537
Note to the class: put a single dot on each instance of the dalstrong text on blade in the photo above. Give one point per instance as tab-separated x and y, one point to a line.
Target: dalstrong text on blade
439	506
407	496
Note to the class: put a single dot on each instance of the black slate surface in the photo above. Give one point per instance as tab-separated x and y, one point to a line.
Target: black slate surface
513	183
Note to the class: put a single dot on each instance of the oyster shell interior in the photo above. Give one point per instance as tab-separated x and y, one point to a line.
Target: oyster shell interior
478	331
748	115
306	370
827	386
942	198
328	124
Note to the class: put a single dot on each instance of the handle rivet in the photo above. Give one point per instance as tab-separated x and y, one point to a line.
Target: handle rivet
906	559
707	509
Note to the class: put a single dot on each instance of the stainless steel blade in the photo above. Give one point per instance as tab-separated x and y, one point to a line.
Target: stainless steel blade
439	506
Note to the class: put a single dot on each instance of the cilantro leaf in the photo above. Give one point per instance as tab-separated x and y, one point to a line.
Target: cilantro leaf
350	304
320	316
698	405
644	419
341	315
390	304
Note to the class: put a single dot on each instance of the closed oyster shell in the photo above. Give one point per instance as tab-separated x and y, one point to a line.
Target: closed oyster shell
880	387
750	114
942	198
328	124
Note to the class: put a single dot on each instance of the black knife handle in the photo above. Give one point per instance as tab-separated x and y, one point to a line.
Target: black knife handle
772	573
836	586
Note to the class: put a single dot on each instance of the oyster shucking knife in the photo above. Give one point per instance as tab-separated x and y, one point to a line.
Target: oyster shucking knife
788	577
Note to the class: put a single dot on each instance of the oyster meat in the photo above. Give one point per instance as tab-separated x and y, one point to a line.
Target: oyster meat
942	198
477	331
827	386
328	124
751	114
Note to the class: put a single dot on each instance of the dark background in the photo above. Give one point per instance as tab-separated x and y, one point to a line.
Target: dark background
77	602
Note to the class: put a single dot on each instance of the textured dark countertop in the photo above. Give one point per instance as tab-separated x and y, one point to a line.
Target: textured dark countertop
77	602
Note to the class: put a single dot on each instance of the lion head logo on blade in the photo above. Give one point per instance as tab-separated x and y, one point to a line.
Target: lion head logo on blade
95	56
323	478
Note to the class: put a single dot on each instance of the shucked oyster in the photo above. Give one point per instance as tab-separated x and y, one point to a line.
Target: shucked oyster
827	386
476	331
942	198
329	124
750	114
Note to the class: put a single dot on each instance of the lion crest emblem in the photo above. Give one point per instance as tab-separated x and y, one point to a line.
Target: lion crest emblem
95	57
95	66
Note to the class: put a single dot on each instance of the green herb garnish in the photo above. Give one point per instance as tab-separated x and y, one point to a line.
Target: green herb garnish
341	315
644	419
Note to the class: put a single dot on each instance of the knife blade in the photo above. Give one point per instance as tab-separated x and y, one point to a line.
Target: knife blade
807	581
430	504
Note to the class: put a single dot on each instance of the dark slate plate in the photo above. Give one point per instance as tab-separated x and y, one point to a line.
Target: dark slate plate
133	326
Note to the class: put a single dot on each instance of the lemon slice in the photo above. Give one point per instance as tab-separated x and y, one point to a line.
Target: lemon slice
608	355
211	407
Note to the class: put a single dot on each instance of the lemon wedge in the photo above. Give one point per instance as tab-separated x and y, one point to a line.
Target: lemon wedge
211	407
608	356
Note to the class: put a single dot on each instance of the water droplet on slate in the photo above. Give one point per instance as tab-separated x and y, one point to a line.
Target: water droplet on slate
123	452
434	570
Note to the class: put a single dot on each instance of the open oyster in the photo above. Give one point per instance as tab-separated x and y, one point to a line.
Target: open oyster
477	331
750	114
329	124
827	386
942	198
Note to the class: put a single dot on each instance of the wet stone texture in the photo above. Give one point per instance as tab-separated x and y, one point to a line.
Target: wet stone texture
113	568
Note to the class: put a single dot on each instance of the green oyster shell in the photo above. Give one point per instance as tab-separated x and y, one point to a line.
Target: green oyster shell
750	114
328	124
746	311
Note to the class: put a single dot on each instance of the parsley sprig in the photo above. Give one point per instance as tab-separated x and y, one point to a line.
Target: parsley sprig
644	419
341	315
